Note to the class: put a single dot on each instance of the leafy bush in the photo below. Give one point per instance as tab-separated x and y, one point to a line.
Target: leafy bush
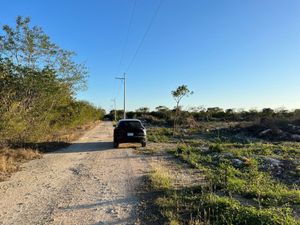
157	134
38	82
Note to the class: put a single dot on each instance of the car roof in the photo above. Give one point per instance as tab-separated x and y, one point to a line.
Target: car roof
128	120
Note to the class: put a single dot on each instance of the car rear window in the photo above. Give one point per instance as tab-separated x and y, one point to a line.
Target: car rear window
130	124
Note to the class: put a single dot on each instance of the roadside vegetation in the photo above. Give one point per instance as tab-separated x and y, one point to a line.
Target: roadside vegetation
255	183
38	84
10	159
250	161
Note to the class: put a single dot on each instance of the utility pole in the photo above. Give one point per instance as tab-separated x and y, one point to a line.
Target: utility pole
124	81
115	110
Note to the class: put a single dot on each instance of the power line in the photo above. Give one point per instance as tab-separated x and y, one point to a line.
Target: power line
145	34
139	45
124	49
127	34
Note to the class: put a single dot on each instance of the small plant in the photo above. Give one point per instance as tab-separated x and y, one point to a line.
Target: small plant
158	135
216	148
160	179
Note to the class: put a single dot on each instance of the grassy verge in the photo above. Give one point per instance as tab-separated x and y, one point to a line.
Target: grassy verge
199	205
13	156
243	187
247	183
248	180
159	134
190	207
232	170
160	179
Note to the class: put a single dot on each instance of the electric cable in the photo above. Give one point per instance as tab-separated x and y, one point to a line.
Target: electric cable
145	34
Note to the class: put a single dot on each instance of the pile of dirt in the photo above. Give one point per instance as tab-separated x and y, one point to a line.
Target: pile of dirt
274	132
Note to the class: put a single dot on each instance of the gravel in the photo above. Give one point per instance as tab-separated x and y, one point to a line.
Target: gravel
87	183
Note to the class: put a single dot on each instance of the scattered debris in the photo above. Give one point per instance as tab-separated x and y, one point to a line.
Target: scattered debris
265	132
295	137
228	155
237	162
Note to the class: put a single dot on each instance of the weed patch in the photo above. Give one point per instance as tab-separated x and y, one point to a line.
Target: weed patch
160	179
10	160
158	134
235	169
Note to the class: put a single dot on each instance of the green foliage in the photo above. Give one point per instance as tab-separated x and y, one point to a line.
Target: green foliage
187	205
28	46
160	179
265	118
181	92
248	179
178	94
159	134
225	210
38	81
143	110
216	148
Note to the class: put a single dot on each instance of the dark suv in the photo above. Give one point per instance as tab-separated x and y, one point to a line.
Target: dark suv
129	131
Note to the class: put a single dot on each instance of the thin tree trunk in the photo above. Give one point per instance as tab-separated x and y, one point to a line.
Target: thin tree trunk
175	119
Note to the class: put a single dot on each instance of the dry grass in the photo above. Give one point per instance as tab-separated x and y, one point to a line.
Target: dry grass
11	159
70	134
160	179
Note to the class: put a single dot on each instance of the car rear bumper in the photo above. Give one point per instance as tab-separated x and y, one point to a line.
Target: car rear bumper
134	139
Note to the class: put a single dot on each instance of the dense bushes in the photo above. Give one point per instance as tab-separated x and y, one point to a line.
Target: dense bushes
38	81
35	103
189	118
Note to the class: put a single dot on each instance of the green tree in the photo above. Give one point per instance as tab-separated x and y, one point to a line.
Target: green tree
178	94
29	46
143	110
38	81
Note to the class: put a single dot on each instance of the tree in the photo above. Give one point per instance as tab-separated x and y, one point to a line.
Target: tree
38	81
29	46
267	113
143	110
229	113
296	114
163	112
178	94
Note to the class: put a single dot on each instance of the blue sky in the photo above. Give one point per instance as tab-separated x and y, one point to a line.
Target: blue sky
231	53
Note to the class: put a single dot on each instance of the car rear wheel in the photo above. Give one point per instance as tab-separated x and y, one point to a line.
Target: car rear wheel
144	144
116	144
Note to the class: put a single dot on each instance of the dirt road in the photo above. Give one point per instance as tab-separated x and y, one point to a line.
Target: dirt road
87	183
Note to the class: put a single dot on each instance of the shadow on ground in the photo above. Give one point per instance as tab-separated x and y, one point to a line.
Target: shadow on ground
146	212
87	147
44	147
65	147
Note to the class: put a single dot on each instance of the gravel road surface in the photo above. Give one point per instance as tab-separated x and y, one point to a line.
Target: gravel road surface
89	182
